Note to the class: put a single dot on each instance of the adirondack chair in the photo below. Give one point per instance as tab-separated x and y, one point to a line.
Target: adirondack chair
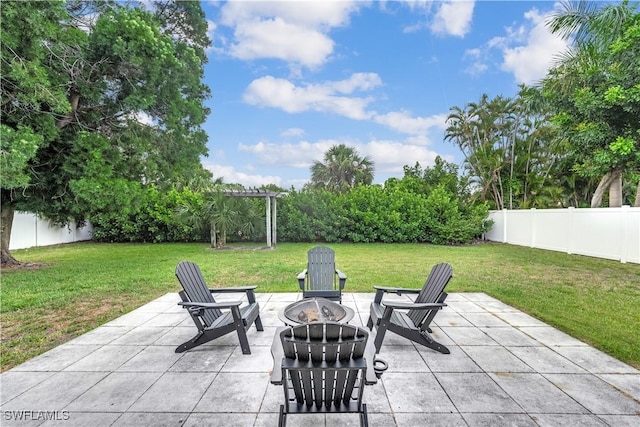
215	319
412	324
323	368
321	278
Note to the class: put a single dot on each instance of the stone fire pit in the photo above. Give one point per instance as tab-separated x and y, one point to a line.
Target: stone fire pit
315	310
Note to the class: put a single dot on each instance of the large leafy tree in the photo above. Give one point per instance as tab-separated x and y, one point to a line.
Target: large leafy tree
27	83
423	181
99	99
595	91
342	168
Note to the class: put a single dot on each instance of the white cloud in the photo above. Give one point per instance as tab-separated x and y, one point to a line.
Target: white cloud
528	50
450	17
404	122
292	31
308	13
530	62
296	155
292	132
420	5
215	37
232	176
275	38
328	97
389	156
280	93
476	68
453	18
140	117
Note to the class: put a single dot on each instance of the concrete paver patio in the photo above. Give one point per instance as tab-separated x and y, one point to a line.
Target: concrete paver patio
505	368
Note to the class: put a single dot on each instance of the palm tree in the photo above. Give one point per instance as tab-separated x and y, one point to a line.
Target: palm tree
343	168
505	143
483	131
222	214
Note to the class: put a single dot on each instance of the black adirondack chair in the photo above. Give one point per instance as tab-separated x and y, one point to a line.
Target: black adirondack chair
321	278
215	319
323	368
413	323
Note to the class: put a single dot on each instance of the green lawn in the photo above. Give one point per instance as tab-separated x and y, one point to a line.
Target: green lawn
84	285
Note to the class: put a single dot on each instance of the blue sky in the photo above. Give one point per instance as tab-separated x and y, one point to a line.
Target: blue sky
290	79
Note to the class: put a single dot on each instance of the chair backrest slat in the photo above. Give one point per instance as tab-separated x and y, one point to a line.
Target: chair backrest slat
307	387
341	380
321	268
330	386
431	291
196	289
332	346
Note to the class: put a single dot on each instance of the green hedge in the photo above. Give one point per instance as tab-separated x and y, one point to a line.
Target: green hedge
372	213
375	214
154	219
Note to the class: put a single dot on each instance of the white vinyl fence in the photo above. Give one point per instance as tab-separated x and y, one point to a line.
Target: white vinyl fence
29	230
611	233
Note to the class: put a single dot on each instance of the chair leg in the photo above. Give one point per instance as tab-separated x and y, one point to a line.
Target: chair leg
193	342
427	341
258	323
370	323
380	333
242	337
282	420
364	419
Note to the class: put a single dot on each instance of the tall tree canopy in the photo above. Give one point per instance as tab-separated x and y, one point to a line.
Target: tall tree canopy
98	100
343	168
595	93
505	142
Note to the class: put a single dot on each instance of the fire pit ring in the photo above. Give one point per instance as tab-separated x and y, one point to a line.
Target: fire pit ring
315	310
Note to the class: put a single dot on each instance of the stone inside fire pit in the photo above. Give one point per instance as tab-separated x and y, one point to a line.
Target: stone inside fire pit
315	310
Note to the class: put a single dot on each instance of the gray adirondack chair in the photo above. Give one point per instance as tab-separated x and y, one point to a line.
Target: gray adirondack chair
323	368
411	320
215	319
321	278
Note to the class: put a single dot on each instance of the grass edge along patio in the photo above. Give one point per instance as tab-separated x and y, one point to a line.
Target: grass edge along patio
84	285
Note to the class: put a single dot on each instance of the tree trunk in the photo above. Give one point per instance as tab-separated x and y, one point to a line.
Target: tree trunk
615	191
636	202
74	98
603	186
212	230
6	225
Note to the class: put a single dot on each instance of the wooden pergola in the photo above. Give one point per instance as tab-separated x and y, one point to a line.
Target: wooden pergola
271	209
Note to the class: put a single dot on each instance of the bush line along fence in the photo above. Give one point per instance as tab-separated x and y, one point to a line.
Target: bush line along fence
610	233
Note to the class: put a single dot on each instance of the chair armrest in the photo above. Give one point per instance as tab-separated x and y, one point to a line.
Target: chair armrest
232	290
414	305
204	305
342	278
398	291
277	353
370	355
301	278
